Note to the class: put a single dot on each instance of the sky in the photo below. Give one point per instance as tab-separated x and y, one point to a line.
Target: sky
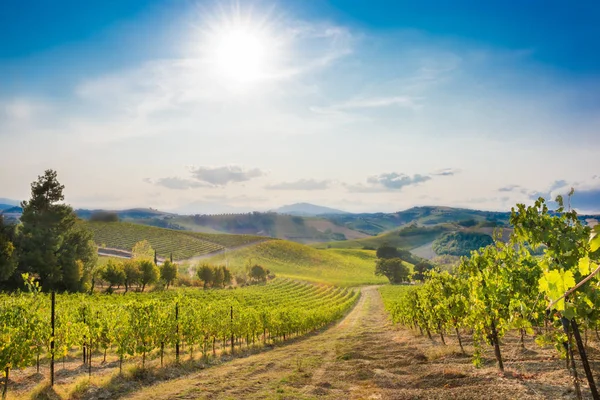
223	106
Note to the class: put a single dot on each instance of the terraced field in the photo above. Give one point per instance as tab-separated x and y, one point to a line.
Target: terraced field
182	244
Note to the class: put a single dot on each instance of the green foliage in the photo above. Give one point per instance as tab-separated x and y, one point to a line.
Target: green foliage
206	274
420	270
386	251
393	269
142	250
8	254
215	276
461	243
137	324
133	274
113	273
258	273
168	272
149	273
51	243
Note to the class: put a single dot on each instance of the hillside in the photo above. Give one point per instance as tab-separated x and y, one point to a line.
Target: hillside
307	210
345	267
406	238
289	227
182	244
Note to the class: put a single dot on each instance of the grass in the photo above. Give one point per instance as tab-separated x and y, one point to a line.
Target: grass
182	244
343	267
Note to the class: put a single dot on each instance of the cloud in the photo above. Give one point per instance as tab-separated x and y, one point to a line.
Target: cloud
394	180
446	172
177	183
221	176
369	102
302	184
387	182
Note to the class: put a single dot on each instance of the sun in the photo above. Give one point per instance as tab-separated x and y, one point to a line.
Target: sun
240	48
241	54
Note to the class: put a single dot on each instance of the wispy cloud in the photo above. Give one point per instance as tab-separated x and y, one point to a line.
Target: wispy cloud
302	184
394	181
177	183
221	176
367	103
446	172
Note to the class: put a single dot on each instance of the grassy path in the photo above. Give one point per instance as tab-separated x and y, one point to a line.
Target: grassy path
362	357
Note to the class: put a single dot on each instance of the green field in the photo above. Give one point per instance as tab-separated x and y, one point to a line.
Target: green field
182	244
344	267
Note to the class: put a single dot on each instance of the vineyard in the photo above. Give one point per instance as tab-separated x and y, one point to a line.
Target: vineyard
182	244
506	287
136	325
344	267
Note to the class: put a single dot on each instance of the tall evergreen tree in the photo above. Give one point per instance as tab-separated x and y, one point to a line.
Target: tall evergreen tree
8	254
52	244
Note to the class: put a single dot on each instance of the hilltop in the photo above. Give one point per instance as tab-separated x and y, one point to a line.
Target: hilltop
308	210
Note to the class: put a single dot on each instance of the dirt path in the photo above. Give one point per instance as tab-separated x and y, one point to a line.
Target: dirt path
363	357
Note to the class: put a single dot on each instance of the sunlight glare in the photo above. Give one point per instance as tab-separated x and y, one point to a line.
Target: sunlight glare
240	54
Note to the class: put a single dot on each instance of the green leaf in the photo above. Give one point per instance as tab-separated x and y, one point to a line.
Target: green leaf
555	283
595	242
569	311
584	266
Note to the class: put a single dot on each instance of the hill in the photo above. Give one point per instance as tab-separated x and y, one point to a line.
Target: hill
282	226
406	238
182	244
345	267
307	210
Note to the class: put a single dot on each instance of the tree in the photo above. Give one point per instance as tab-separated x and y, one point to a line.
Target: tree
387	251
8	254
132	273
168	272
420	269
51	242
205	273
114	274
149	273
393	268
227	276
258	273
218	277
142	251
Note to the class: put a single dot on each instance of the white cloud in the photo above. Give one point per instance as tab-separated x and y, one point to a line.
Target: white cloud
222	176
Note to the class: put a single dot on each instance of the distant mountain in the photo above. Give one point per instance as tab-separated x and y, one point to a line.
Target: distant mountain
307	210
8	203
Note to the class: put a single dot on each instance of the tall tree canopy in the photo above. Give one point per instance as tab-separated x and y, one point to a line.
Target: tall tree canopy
51	243
8	254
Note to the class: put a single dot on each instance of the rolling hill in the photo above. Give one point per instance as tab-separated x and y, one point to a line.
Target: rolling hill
307	210
182	244
345	267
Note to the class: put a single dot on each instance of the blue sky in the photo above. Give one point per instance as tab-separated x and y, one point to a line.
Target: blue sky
201	106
